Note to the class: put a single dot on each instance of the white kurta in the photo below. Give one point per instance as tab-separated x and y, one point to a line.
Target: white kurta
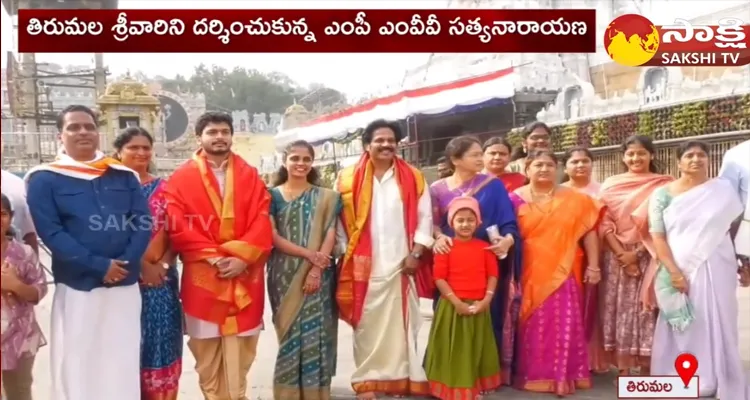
384	351
736	168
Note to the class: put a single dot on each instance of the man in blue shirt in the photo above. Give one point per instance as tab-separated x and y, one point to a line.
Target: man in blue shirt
90	211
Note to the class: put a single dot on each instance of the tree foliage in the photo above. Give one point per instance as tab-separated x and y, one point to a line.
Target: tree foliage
254	91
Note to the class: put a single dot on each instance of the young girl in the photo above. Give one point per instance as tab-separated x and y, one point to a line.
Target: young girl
23	285
461	361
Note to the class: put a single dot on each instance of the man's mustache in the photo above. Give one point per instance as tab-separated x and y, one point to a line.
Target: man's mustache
219	142
386	148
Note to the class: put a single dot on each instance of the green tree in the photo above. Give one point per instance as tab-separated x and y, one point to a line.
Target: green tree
254	91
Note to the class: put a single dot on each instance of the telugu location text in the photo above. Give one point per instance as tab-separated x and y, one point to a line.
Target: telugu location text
656	387
701	59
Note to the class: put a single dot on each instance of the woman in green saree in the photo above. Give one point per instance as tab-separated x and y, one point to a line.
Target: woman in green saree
300	280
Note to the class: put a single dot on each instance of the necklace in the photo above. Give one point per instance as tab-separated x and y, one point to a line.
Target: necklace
548	194
291	195
547	200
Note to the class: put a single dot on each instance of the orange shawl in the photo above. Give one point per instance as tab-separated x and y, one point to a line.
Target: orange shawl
551	250
65	165
205	227
356	185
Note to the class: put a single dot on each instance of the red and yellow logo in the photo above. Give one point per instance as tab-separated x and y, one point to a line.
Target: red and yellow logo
633	40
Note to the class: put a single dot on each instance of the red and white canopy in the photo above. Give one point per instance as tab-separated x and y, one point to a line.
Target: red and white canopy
427	100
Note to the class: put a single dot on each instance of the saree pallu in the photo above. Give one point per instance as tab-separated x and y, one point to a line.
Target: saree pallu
627	327
496	209
461	358
553	355
306	325
161	313
697	223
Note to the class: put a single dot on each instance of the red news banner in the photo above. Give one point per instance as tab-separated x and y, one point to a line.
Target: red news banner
306	31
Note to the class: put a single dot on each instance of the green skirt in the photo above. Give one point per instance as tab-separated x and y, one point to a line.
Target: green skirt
462	359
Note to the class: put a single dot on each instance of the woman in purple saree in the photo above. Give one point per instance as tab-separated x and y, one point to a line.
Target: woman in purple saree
465	153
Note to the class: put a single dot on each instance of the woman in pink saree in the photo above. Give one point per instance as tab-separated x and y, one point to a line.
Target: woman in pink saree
695	284
626	327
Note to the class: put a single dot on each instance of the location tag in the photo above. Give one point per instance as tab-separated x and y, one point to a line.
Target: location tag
686	364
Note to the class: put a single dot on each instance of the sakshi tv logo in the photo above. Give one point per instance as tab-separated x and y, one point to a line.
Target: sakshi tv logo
633	40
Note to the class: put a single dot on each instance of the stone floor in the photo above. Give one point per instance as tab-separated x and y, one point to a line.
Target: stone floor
262	371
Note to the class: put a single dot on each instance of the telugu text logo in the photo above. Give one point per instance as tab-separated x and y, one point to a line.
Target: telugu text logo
633	40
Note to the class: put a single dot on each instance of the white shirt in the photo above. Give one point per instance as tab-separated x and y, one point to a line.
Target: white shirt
736	169
14	188
390	243
197	328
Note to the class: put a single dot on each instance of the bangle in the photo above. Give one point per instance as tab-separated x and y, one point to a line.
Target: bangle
490	292
592	269
449	294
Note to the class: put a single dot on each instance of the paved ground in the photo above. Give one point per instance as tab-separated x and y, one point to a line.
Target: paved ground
262	371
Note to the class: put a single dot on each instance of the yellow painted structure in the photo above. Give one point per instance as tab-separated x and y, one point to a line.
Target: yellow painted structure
253	146
124	104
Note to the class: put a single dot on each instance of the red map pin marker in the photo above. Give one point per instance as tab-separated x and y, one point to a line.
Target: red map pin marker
686	364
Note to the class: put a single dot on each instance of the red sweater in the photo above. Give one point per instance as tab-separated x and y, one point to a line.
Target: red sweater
466	268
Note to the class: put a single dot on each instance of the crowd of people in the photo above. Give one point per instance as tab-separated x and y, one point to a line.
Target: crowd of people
539	275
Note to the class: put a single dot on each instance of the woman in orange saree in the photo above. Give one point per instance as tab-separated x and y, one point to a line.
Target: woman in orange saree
553	220
628	329
496	159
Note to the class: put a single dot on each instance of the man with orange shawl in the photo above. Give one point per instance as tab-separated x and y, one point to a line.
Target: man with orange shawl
219	225
387	217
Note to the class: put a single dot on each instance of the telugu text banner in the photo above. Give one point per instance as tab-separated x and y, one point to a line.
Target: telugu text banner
307	31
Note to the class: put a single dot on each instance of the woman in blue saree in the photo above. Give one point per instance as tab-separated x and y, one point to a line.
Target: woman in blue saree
466	156
300	281
161	314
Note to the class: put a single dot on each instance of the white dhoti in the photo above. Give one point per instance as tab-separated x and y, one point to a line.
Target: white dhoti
385	338
385	349
95	343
